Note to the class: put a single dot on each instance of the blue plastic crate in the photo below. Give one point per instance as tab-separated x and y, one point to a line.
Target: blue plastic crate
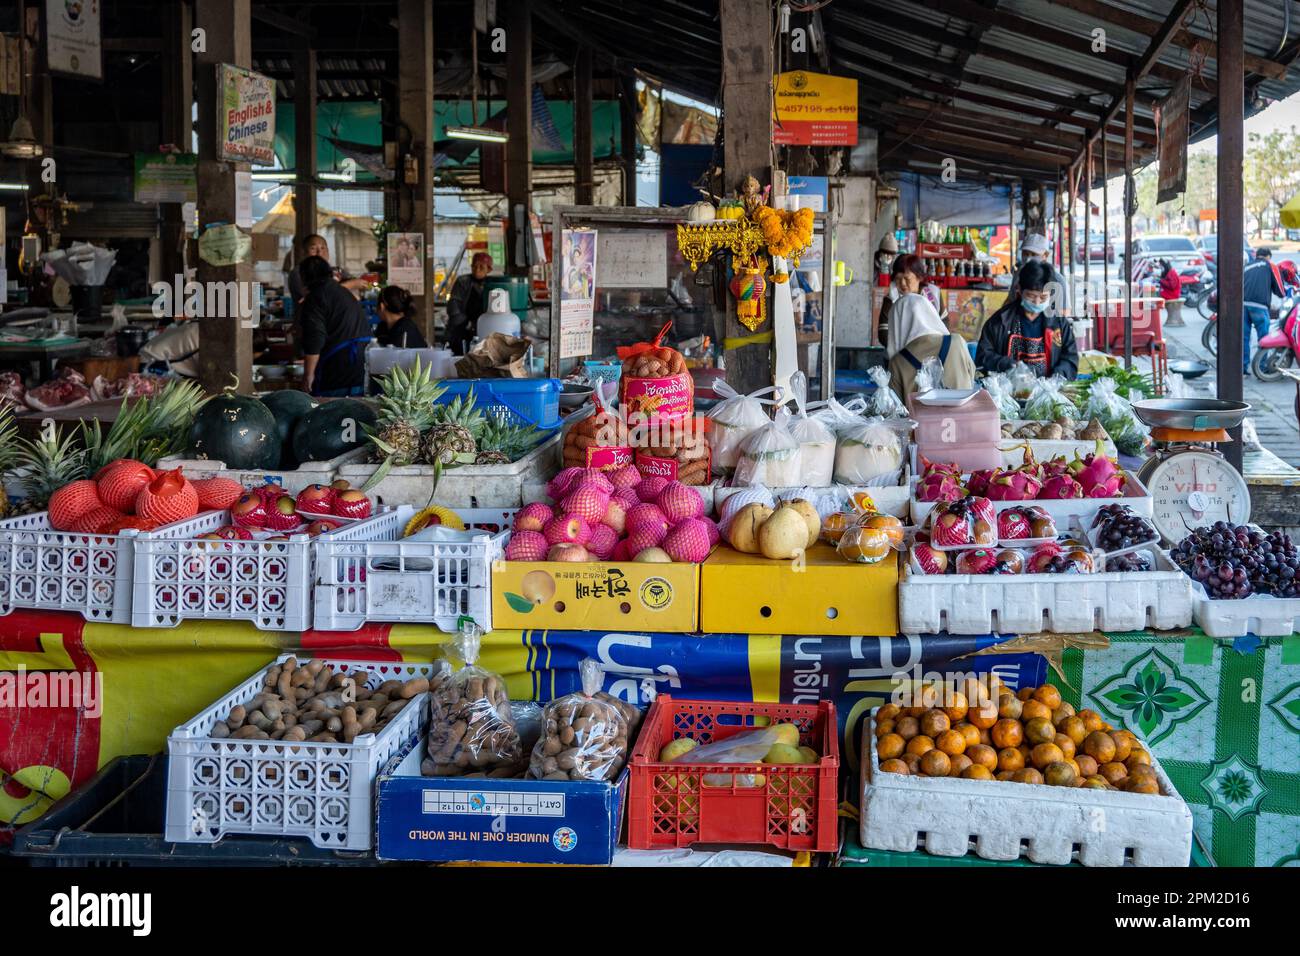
534	400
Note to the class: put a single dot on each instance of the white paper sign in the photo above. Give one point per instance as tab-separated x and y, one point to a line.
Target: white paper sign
73	38
406	261
577	264
633	260
245	116
244	200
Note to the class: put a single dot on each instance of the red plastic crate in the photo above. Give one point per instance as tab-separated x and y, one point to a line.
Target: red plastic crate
794	809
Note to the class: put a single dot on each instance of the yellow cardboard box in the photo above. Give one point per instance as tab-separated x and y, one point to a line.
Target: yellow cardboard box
596	595
751	594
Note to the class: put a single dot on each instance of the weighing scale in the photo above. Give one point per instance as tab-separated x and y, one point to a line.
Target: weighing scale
1191	484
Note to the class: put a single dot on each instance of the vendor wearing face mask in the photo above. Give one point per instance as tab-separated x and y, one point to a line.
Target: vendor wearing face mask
1036	249
1027	330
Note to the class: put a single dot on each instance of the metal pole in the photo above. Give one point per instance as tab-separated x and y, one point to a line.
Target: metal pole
1069	219
1105	222
1087	222
1059	238
1231	100
1011	219
1128	222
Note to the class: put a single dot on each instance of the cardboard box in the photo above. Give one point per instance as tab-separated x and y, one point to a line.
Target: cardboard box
750	594
481	819
596	595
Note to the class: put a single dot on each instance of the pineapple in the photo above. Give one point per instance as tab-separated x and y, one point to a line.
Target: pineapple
503	441
145	429
45	466
453	437
406	409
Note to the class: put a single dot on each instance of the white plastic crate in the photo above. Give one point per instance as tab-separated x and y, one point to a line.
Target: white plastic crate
1032	603
1260	614
951	816
464	486
321	791
265	582
379	577
1063	510
293	480
50	570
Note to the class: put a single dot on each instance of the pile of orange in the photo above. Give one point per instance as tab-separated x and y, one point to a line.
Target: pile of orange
994	734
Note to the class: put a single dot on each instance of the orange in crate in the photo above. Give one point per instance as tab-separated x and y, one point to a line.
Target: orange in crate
789	806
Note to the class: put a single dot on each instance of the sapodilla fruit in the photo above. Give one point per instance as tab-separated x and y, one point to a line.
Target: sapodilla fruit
70	502
532	517
626	477
602	541
216	494
615	516
169	497
120	484
587	502
96	518
527	546
650	488
559	486
687	541
646	514
679	502
567	529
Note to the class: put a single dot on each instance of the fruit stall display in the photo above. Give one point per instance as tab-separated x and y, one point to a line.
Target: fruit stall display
1247	581
999	773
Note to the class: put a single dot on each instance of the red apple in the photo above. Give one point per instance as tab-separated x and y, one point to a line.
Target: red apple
568	552
250	511
316	499
283	515
352	504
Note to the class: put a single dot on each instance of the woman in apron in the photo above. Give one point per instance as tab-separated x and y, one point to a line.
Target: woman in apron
335	332
917	335
1028	329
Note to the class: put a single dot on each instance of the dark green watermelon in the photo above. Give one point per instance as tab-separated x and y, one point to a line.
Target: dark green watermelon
331	429
238	430
287	405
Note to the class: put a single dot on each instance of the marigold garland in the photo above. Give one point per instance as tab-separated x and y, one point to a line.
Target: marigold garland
787	234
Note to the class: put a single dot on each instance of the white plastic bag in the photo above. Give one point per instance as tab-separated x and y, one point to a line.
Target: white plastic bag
1047	402
748	747
929	376
584	736
770	456
870	454
1022	379
885	403
816	440
734	419
998	386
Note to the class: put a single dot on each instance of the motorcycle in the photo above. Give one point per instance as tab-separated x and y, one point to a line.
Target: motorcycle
1204	301
1210	334
1278	350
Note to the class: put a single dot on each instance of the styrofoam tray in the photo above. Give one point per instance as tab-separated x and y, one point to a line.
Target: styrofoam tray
293	480
951	816
1033	603
380	577
464	486
321	791
1062	510
1013	452
1260	614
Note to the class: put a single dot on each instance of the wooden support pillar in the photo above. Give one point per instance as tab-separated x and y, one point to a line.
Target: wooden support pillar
1059	237
627	137
1231	100
304	147
40	102
747	66
225	342
177	125
1129	88
1105	225
1071	238
519	148
415	112
1087	223
584	174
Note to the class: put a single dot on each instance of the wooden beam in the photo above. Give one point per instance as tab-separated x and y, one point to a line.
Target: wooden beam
584	174
415	113
304	147
1232	117
519	120
747	66
176	126
627	138
225	342
286	24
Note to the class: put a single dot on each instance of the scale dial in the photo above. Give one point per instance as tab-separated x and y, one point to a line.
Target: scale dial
1191	489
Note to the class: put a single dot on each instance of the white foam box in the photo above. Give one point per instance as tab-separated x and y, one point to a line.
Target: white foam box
1013	453
1260	614
1000	820
292	480
1033	603
1063	510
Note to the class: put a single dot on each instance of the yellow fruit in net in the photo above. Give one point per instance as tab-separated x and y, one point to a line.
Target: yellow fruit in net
433	515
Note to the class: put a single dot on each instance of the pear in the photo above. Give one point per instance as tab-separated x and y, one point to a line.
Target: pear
810	516
743	533
784	535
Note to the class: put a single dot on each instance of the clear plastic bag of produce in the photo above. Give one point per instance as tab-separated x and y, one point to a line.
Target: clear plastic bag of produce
1047	402
471	726
999	388
1022	380
584	735
770	456
884	402
929	376
870	454
734	419
827	499
816	440
840	416
1115	412
747	747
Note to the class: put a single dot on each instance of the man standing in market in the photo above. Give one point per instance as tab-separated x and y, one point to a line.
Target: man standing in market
1260	281
467	303
1035	248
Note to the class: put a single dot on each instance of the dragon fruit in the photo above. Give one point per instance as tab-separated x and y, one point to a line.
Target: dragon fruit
1061	486
1099	476
938	486
1018	485
978	484
1055	466
943	468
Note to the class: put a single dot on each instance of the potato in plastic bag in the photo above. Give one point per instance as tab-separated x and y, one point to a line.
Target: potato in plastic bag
471	728
584	737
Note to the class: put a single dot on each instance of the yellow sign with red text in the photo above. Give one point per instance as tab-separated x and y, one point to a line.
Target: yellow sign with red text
815	109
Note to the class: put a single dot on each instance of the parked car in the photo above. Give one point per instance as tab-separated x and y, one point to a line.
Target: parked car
1209	246
1182	254
1099	248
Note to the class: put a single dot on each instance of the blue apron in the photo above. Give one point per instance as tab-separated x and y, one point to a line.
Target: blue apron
943	354
351	345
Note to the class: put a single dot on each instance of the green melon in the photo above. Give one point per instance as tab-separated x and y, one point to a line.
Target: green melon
287	405
237	430
331	429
